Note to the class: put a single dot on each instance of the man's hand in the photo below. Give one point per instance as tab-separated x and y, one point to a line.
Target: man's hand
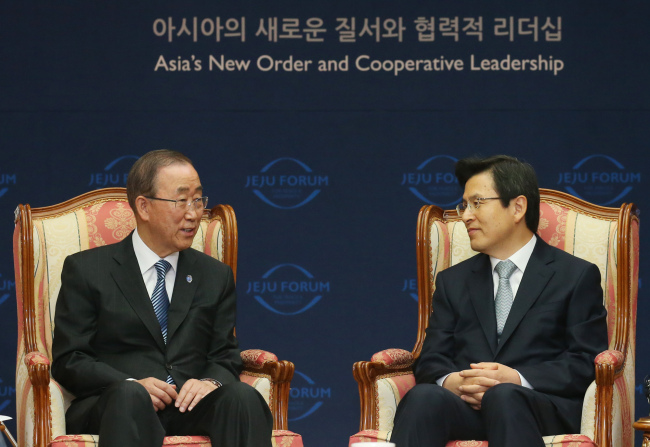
471	384
191	394
470	389
496	371
162	393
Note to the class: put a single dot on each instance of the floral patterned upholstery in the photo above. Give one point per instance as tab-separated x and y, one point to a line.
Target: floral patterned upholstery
588	231
281	438
549	441
95	219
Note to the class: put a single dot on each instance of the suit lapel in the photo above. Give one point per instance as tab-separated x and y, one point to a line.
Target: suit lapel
184	289
481	294
126	274
537	275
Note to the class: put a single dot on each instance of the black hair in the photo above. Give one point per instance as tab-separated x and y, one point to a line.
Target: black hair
512	178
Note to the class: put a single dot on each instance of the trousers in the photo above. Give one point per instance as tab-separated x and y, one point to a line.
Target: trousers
234	415
510	416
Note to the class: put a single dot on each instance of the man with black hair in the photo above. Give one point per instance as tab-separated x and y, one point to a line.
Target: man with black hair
510	347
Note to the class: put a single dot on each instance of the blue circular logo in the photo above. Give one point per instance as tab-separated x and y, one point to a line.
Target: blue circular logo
6	181
114	173
305	397
6	288
288	289
410	286
286	183
5	393
434	181
600	179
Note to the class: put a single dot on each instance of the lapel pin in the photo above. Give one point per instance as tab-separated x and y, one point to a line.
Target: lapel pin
189	278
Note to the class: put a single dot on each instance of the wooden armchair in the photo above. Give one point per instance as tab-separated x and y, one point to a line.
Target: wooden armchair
607	237
43	237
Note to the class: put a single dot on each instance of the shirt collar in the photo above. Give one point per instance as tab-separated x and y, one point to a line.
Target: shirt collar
146	257
521	257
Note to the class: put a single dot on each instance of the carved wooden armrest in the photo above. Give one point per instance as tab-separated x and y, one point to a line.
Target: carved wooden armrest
36	358
256	358
611	357
261	363
394	358
38	367
610	365
38	370
258	361
387	362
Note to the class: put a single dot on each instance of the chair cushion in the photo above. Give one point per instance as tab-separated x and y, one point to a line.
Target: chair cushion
93	441
281	438
568	441
370	436
286	438
549	441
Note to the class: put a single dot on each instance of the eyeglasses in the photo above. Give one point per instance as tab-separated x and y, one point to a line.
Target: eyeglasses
476	203
199	204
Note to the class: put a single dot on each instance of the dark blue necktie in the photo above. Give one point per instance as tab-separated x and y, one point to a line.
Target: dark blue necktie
159	297
160	300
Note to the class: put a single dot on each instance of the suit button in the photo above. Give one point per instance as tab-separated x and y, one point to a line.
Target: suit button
169	366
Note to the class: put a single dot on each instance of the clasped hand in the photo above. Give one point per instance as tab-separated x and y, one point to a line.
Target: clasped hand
163	394
471	384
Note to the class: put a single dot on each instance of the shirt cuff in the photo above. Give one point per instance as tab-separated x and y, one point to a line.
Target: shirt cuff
525	383
441	380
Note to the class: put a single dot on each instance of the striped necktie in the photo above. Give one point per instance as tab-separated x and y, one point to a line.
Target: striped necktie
160	300
159	297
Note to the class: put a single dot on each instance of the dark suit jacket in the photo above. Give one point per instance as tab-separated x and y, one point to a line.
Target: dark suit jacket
106	330
555	329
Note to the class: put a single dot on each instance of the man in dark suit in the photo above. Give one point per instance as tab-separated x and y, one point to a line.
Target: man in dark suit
510	347
144	329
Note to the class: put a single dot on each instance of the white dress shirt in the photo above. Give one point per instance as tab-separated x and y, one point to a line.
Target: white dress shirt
520	259
147	259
